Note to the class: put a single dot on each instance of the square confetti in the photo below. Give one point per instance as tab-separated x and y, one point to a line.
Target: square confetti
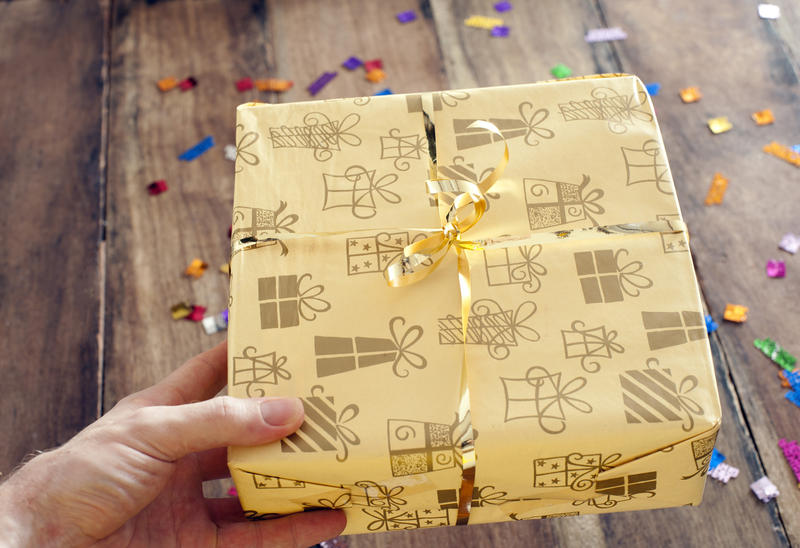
719	125
690	94
406	16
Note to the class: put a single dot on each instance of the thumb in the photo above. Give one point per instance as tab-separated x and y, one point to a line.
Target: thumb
172	432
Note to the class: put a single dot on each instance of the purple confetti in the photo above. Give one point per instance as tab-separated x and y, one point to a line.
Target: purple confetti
503	6
776	269
406	16
320	82
500	31
352	63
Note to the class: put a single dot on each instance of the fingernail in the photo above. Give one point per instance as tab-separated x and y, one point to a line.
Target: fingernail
281	411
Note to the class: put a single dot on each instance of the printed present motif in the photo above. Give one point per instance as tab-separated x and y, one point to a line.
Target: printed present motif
247	140
665	329
702	450
440	99
337	355
460	169
385	520
371	494
604	280
323	429
589	344
540	395
673	242
621	489
647	165
650	395
402	148
417	447
514	266
619	110
356	189
257	371
261	481
492	326
527	126
282	301
262	223
372	254
554	203
481	496
318	133
576	471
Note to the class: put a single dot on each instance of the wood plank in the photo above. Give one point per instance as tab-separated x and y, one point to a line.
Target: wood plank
50	112
733	241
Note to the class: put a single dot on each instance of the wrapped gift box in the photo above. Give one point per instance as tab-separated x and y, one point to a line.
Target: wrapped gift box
585	364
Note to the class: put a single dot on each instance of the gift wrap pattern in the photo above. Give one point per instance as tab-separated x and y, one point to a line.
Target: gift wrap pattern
591	381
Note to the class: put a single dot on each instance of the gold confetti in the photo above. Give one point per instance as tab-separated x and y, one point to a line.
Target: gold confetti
719	125
482	22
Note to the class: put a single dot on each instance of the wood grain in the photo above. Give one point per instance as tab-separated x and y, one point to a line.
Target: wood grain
50	145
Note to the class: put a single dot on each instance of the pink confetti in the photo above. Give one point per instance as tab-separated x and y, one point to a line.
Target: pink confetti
791	450
776	269
232	492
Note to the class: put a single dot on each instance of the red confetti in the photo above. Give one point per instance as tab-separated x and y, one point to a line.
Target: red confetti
157	187
373	64
244	84
188	83
196	315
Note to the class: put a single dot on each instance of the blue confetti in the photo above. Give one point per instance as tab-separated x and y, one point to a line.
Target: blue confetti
197	150
711	325
386	91
796	148
717	458
653	88
793	397
794	379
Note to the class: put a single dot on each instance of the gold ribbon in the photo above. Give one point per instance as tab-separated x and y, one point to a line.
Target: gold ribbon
461	205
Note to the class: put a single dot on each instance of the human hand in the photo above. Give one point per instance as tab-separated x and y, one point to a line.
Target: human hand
134	477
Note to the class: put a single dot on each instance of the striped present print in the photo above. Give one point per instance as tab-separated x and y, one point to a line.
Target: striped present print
651	395
323	429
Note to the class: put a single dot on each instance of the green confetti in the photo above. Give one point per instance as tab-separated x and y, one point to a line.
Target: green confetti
773	351
561	71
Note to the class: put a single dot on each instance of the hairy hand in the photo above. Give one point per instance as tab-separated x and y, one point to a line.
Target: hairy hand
134	477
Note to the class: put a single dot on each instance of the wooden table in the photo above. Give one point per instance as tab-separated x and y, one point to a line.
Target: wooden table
92	263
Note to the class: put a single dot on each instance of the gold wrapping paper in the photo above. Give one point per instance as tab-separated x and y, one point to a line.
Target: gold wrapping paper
591	382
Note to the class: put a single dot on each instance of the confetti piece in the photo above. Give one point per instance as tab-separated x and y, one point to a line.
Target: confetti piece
793	397
653	88
735	313
232	492
157	187
352	63
724	472
180	310
719	125
503	7
406	16
789	242
711	325
783	152
320	82
167	84
690	95
605	35
215	324
482	22
188	83
373	64
500	31
225	268
791	450
790	379
273	84
196	268
561	71
769	11
197	150
375	75
795	148
763	117
338	542
764	489
776	269
230	153
385	91
196	315
773	351
717	189
717	458
244	84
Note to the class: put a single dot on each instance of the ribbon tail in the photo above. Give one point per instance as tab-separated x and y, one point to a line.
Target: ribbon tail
465	440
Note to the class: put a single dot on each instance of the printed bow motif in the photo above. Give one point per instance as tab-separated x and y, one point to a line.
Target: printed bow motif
246	141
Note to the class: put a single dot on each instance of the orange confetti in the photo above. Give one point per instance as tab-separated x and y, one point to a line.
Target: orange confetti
735	313
376	75
783	152
691	95
273	84
717	190
784	381
763	117
167	84
196	269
